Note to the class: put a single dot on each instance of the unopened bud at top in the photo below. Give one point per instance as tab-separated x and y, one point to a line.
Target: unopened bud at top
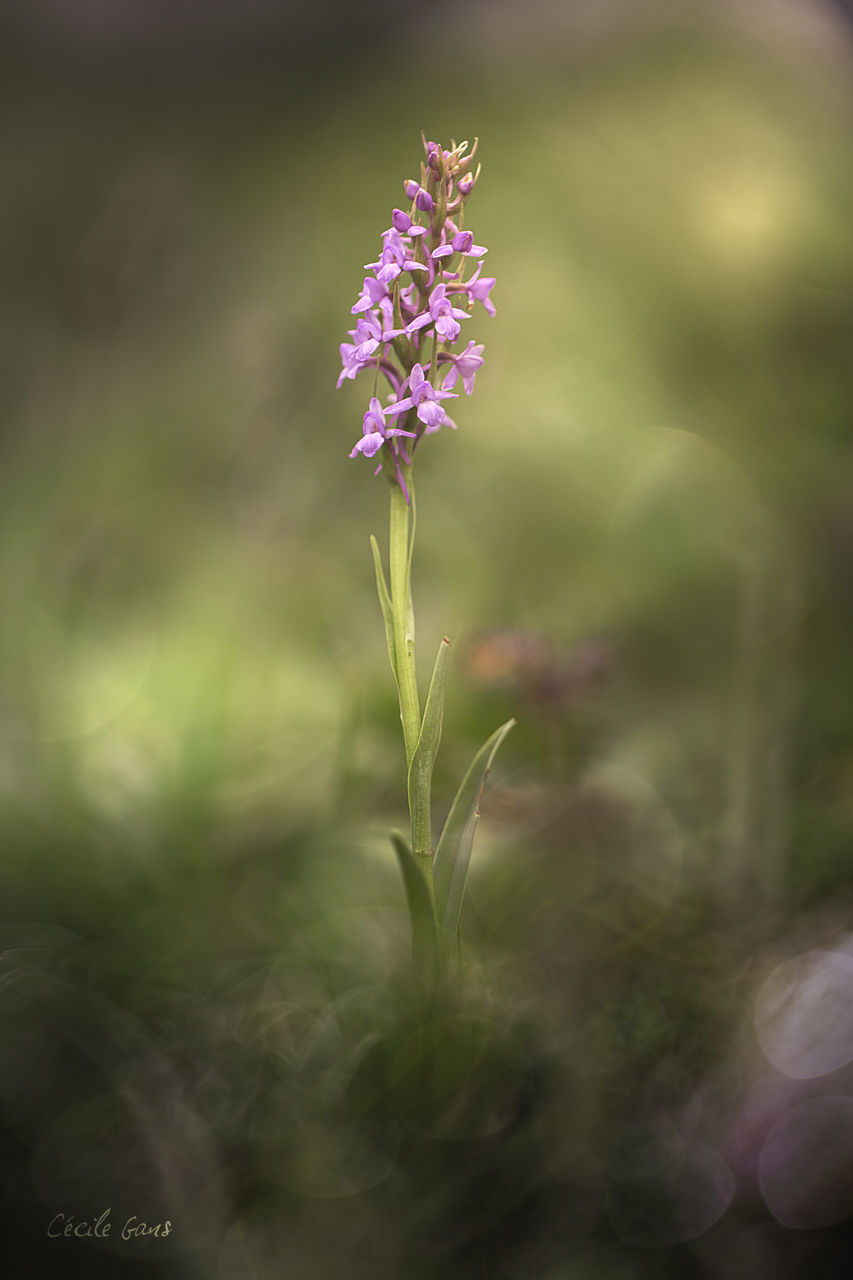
411	188
465	185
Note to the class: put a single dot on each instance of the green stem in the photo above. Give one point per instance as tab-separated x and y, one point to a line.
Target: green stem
419	753
401	535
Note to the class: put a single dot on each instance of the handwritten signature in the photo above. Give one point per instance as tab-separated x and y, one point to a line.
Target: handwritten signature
62	1226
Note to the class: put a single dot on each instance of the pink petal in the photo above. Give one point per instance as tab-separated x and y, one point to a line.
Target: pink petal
431	413
419	323
369	444
447	329
399	407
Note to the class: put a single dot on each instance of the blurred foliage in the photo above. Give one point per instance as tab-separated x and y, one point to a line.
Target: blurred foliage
639	541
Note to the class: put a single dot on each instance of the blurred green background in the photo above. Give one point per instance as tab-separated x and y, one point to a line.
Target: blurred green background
640	542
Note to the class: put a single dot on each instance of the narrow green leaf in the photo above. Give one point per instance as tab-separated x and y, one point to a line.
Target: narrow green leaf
454	848
384	603
420	770
419	901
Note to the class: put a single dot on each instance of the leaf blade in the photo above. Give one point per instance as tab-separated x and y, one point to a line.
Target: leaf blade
453	853
423	759
419	901
384	604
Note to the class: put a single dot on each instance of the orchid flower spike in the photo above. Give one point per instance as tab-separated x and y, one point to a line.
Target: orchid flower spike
410	310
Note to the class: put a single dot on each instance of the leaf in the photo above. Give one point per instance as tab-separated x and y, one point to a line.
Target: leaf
423	759
384	604
454	848
419	901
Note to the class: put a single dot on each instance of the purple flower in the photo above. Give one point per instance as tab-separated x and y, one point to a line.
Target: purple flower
372	292
400	221
467	364
462	242
375	431
350	361
442	314
424	201
425	399
480	288
394	259
369	333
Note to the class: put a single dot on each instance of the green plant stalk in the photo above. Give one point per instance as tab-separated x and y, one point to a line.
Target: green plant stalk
402	613
419	753
434	883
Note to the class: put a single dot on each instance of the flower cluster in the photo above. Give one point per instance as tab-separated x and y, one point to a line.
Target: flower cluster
412	308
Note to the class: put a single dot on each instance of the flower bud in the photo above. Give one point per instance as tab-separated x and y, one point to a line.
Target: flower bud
465	185
411	188
400	220
424	201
